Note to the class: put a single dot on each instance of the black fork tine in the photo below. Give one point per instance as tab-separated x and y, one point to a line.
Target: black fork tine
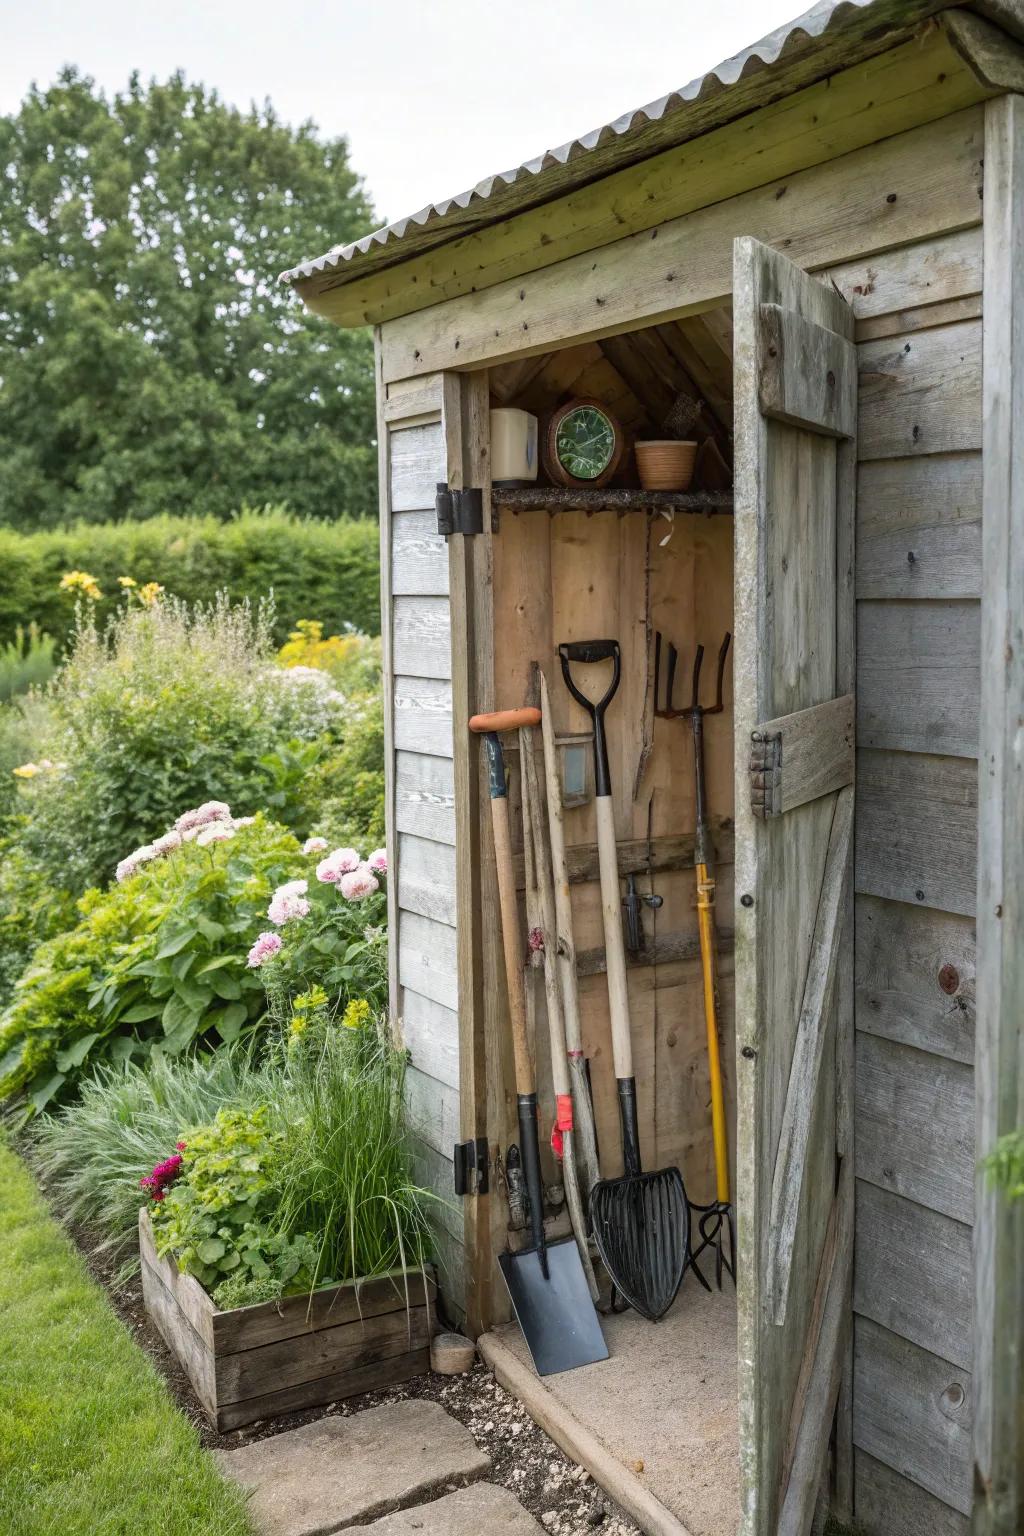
697	662
673	657
658	706
722	654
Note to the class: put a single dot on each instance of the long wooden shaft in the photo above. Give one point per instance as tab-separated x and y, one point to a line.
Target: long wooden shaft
706	927
614	944
539	892
585	1133
525	1082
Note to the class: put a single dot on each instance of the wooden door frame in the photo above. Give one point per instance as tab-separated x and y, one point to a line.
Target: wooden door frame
998	1358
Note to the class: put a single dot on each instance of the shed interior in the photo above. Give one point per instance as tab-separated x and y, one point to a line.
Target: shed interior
632	572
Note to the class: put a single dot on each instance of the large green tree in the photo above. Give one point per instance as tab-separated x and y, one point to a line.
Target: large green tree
149	359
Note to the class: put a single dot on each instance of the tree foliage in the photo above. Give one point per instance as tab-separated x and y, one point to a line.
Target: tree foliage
149	360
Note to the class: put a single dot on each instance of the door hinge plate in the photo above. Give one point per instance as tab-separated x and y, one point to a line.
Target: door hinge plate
459	511
766	773
470	1161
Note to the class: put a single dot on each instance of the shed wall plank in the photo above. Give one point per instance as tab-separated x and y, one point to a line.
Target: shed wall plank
432	1110
901	951
424	797
426	958
416	454
426	878
421	629
423	715
918	676
921	393
430	1032
915	1125
919	527
887	1503
912	1411
913	1273
917	829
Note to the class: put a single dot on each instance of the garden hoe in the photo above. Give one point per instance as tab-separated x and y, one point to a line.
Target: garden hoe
641	1221
546	1281
715	1220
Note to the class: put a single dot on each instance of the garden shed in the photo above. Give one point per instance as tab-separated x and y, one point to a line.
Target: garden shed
820	245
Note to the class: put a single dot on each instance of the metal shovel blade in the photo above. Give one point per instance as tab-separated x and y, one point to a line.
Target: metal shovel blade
641	1225
556	1314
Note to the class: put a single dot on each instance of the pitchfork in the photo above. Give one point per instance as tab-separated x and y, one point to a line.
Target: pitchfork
715	1220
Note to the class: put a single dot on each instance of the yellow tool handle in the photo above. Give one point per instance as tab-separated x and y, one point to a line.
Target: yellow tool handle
706	928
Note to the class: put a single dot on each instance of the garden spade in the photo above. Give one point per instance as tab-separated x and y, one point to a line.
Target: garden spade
641	1222
546	1281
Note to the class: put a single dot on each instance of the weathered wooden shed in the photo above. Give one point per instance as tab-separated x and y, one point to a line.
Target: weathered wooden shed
824	240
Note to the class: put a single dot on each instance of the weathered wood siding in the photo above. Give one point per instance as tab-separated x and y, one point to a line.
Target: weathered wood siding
421	798
918	630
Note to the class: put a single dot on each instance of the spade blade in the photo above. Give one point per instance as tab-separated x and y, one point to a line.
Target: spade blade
556	1314
641	1225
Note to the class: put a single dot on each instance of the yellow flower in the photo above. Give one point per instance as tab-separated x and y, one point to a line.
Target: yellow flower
149	594
126	581
316	997
27	771
81	581
357	1013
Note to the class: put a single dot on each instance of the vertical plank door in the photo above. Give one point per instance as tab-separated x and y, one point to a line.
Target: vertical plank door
795	403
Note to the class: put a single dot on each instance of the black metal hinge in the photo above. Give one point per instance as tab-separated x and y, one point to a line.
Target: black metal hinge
471	1172
459	511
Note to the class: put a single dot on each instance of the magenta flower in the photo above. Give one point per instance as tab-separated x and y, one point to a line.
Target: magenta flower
358	883
265	948
289	901
378	861
157	1183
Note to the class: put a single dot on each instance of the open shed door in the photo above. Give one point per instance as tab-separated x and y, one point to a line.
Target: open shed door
795	402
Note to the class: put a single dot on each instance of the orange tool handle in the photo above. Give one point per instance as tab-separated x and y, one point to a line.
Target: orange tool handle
505	720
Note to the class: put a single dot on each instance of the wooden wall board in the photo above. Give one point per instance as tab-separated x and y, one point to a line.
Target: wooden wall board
425	796
914	1272
919	675
915	1125
887	1502
422	645
919	527
921	393
422	709
416	454
432	1110
937	270
426	958
426	878
912	1411
915	185
419	559
430	1033
915	977
902	801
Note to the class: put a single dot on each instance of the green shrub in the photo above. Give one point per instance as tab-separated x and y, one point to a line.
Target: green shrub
1005	1165
170	708
346	786
327	569
27	661
153	964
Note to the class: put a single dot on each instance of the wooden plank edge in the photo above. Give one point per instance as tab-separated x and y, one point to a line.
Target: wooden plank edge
326	1389
580	1444
297	1317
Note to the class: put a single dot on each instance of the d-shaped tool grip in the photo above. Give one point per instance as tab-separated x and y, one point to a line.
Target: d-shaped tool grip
588	651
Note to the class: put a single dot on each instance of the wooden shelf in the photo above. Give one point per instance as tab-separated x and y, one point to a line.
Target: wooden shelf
539	498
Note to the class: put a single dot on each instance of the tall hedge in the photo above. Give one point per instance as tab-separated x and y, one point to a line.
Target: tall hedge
326	571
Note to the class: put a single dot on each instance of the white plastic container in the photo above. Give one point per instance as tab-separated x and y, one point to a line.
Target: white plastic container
513	446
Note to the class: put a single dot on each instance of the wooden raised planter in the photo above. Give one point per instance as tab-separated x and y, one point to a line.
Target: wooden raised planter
283	1356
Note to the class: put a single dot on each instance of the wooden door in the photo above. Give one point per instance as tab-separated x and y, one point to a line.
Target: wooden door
795	402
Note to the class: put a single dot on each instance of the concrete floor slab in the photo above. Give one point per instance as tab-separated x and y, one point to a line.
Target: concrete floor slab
336	1472
663	1405
470	1512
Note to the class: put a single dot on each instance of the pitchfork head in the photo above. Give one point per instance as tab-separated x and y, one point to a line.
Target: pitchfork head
663	706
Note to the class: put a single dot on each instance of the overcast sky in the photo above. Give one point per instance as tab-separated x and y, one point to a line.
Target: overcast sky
432	96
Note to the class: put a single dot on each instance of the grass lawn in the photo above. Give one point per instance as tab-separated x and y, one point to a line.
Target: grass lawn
90	1441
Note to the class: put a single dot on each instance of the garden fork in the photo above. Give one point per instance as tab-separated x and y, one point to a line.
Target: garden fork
716	1219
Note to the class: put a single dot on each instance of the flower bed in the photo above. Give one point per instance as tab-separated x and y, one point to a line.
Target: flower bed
281	1356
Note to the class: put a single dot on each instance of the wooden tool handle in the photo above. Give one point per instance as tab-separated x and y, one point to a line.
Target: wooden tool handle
511	944
504	720
615	949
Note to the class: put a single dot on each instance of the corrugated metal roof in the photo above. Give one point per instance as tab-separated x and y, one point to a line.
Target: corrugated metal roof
670	119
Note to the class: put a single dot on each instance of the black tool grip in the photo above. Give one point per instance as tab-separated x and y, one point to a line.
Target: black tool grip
529	1142
589	650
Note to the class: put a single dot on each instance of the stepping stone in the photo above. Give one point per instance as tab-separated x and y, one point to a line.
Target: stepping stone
336	1472
470	1512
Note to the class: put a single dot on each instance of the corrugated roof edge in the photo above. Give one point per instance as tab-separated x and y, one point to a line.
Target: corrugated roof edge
445	220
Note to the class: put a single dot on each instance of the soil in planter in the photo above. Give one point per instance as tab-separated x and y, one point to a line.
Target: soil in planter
556	1492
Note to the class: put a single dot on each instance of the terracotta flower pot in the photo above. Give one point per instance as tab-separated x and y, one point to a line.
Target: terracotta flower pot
665	464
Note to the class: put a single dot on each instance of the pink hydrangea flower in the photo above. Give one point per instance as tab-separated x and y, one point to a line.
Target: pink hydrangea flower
341	862
210	810
378	861
134	862
314	845
216	832
265	948
288	901
167	843
243	821
358	883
